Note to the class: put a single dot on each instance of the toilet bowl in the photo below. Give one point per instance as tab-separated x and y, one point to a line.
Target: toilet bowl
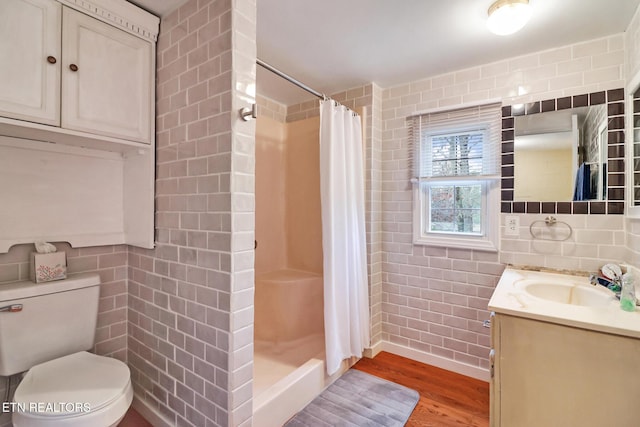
77	390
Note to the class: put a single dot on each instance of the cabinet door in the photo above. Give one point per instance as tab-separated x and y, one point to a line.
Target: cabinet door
106	79
554	375
30	60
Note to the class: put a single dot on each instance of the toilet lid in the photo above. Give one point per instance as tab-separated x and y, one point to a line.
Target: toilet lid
74	384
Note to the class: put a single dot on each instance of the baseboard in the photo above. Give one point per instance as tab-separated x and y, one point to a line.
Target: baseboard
149	413
433	360
371	352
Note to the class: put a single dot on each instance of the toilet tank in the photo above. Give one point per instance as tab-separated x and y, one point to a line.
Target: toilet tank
55	319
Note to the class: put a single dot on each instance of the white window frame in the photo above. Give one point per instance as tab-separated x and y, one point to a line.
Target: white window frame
488	239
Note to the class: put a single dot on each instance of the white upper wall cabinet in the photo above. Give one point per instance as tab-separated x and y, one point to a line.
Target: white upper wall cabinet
84	66
30	64
106	79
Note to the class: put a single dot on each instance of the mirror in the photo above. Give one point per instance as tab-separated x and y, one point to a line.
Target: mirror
635	152
561	155
602	146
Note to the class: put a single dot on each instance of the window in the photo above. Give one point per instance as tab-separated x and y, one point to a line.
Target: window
455	163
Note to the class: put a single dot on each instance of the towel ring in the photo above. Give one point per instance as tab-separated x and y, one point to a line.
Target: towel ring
550	221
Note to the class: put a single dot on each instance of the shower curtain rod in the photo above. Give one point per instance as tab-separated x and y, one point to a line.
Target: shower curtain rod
290	79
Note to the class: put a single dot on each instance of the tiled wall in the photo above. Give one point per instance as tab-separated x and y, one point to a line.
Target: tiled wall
240	383
272	109
190	299
108	261
594	241
633	244
632	46
435	299
361	96
374	210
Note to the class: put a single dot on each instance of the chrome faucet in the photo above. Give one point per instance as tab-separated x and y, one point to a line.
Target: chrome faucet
614	285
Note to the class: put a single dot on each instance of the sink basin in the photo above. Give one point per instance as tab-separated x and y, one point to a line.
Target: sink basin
567	293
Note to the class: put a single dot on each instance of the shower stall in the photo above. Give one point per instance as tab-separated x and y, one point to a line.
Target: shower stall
288	327
291	363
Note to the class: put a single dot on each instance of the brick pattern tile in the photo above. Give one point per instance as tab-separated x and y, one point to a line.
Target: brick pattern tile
435	299
271	109
373	141
190	299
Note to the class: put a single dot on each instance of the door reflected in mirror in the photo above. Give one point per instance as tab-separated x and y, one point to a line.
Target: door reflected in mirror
561	155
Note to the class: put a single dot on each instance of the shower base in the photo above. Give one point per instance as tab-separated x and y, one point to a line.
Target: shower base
286	376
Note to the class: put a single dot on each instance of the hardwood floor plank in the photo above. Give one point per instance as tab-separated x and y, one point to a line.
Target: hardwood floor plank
133	419
447	399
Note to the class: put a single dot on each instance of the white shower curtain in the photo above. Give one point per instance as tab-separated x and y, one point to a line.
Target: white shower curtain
346	293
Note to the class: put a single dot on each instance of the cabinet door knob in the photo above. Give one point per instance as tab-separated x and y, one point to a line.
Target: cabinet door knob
73	67
51	59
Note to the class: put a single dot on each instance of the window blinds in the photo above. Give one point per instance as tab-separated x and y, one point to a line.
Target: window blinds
457	143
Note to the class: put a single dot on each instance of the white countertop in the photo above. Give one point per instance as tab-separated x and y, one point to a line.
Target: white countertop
508	298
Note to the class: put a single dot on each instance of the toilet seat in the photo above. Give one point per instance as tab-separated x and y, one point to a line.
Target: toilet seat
76	390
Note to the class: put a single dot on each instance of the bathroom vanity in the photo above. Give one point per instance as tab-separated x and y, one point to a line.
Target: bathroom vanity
563	353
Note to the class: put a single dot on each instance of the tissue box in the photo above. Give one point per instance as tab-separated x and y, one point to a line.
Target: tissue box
48	267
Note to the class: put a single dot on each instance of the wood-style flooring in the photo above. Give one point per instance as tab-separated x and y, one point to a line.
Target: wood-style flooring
447	399
133	419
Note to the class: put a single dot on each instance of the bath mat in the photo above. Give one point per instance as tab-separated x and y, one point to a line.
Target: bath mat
358	399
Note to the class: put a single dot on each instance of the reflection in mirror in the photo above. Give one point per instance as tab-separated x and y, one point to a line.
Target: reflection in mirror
561	155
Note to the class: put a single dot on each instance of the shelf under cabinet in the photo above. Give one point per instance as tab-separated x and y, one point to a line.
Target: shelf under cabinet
36	131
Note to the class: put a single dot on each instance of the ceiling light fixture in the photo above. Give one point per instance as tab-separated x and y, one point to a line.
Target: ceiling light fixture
508	16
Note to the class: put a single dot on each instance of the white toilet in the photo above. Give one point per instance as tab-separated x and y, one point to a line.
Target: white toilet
46	329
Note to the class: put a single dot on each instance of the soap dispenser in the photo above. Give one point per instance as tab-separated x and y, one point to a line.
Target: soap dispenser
628	293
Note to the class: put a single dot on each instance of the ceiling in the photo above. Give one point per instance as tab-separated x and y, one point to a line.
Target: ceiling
333	45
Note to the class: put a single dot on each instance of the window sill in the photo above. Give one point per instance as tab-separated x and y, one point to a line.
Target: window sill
458	242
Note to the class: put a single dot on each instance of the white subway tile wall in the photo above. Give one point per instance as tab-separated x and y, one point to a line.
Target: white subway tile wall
240	381
633	244
435	299
373	140
271	109
191	299
593	241
361	96
632	46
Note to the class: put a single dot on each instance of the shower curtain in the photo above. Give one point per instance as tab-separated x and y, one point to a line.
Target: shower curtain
346	293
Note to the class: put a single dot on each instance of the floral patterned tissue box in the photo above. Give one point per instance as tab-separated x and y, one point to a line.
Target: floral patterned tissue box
48	267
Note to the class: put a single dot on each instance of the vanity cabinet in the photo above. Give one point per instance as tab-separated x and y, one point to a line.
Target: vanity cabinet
546	374
64	68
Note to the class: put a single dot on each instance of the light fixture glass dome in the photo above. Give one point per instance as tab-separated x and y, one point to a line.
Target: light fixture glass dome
508	16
